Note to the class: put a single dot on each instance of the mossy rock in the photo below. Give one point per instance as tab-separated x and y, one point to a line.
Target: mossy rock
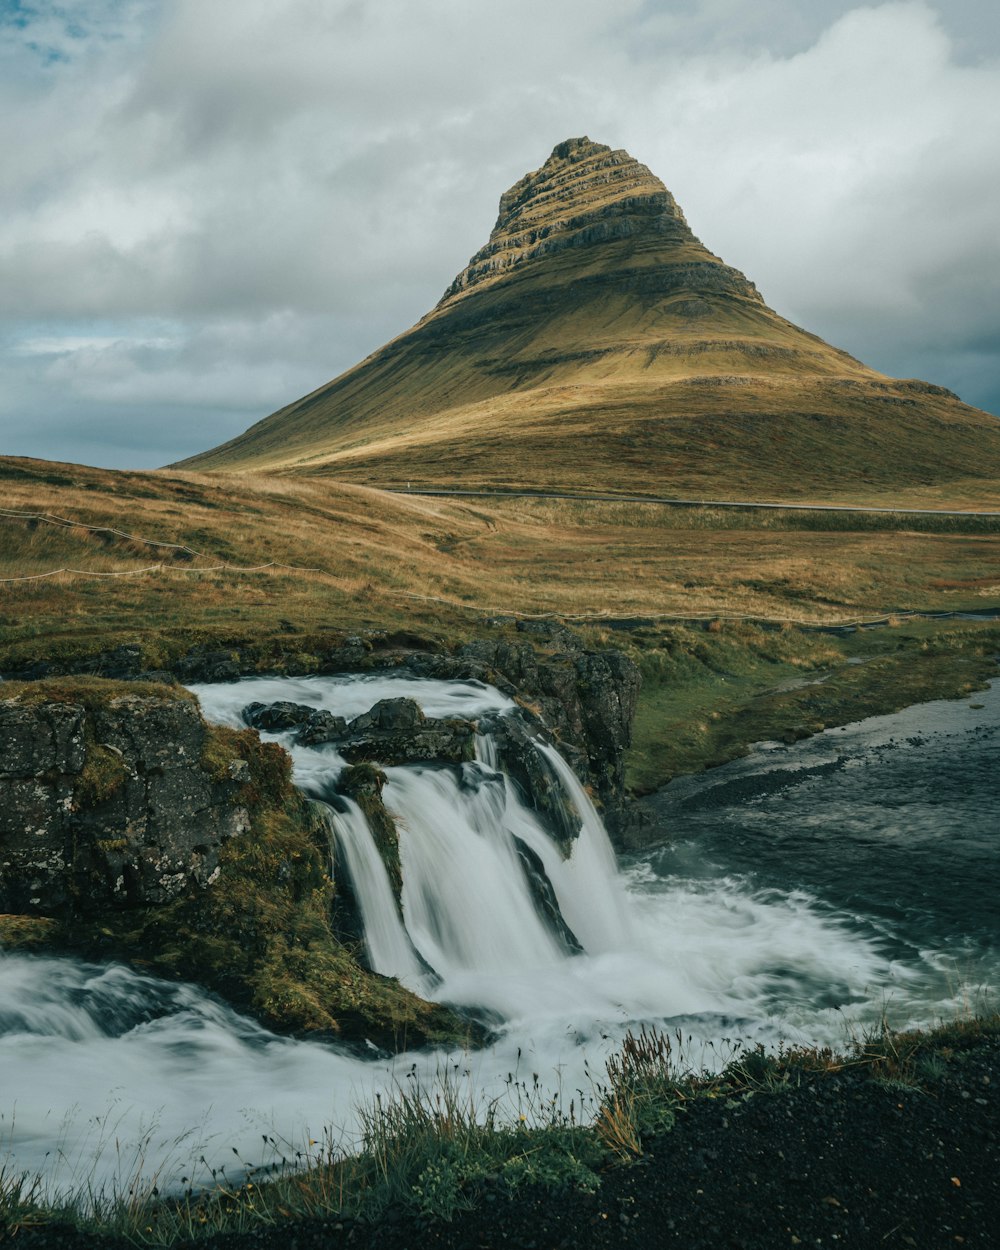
258	929
28	933
261	937
363	783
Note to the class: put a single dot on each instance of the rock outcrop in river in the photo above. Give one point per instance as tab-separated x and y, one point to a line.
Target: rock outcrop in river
131	829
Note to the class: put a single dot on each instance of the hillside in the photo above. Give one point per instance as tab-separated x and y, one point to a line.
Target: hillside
595	343
93	557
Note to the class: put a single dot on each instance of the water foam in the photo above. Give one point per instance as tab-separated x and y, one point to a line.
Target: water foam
92	1058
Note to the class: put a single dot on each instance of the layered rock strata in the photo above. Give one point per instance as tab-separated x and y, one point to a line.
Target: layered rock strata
594	343
586	194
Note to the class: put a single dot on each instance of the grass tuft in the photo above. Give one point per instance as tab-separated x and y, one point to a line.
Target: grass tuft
438	1152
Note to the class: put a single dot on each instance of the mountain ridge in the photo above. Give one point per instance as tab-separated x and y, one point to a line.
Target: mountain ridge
594	341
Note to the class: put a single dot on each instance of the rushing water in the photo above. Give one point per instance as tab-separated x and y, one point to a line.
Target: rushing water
893	821
802	891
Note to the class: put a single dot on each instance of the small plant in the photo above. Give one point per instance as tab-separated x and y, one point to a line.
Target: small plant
643	1095
755	1069
20	1199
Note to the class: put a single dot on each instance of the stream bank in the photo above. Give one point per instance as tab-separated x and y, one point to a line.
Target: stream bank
863	1155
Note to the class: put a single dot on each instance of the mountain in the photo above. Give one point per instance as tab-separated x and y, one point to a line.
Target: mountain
595	343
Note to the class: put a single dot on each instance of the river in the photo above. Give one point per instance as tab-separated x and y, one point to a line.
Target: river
798	895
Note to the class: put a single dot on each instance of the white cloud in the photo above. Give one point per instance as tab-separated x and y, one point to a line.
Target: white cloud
288	183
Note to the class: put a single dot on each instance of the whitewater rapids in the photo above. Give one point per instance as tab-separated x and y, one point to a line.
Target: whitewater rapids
106	1075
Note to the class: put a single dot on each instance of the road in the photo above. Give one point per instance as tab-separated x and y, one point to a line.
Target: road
683	503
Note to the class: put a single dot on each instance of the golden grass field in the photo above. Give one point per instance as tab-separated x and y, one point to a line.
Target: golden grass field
706	600
255	551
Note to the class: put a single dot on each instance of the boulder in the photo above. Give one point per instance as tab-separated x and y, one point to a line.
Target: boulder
321	727
390	714
315	726
109	804
396	731
276	717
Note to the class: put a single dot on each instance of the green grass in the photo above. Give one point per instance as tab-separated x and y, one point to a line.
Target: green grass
437	1152
709	693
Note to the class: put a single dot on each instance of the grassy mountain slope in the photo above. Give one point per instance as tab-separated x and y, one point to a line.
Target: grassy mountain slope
280	569
279	556
595	343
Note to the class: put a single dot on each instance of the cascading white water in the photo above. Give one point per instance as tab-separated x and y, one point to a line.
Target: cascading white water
588	880
176	1074
390	950
470	915
466	902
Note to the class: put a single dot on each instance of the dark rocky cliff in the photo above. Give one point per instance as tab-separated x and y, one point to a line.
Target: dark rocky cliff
110	802
130	829
585	698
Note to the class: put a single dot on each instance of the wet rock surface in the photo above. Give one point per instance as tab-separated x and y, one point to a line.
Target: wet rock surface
586	698
277	717
109	805
396	731
393	731
537	782
363	783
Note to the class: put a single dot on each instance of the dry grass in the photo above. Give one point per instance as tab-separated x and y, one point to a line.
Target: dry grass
591	370
263	554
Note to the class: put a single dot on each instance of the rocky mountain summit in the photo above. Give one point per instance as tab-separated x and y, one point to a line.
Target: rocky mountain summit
595	343
586	194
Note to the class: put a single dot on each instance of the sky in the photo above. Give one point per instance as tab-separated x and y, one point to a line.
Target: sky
210	207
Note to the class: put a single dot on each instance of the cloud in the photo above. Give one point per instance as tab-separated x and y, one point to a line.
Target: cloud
231	203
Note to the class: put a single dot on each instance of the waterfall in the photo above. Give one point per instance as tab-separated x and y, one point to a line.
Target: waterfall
390	950
590	890
466	901
537	930
470	902
511	919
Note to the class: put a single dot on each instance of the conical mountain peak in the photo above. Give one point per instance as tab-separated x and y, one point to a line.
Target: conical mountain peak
595	343
586	193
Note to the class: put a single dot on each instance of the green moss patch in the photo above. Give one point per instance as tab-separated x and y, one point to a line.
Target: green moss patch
89	692
709	693
102	776
261	937
28	933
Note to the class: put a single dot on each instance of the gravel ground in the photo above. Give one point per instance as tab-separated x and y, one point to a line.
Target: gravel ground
834	1160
